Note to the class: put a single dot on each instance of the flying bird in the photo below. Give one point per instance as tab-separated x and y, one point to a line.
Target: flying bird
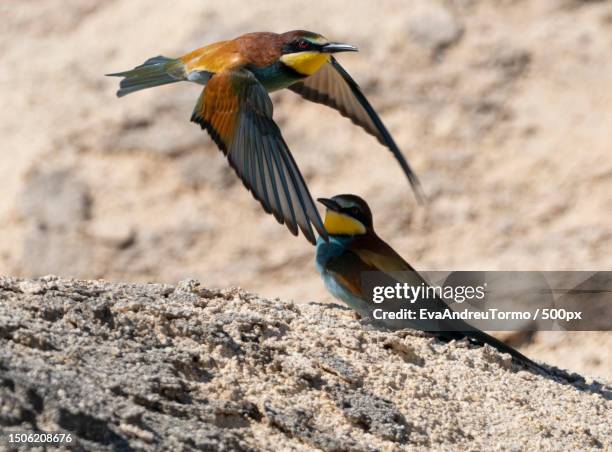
236	110
354	248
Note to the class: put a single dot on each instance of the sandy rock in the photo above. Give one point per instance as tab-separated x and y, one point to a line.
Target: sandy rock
160	367
206	169
112	233
55	250
434	26
55	198
56	205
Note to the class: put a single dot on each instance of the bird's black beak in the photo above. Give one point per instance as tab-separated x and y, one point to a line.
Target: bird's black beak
330	204
335	47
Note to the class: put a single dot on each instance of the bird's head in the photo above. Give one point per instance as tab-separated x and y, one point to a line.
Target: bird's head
347	215
305	52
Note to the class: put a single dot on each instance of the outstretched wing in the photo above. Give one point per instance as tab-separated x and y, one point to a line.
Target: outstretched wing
236	111
333	86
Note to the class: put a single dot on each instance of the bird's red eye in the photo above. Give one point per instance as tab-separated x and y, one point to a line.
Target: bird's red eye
302	44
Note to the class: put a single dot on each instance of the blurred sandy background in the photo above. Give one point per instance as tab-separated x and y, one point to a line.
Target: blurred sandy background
503	108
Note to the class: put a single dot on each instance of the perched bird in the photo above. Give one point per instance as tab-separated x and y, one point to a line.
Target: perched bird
354	247
235	109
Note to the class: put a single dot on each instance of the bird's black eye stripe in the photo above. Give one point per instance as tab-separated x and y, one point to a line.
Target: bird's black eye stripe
301	45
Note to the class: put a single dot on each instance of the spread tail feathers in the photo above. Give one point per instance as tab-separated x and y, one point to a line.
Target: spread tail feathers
153	72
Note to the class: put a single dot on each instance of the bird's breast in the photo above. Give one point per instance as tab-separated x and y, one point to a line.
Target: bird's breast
340	292
276	76
327	251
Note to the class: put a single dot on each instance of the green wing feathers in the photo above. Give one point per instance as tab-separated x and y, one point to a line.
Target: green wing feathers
153	72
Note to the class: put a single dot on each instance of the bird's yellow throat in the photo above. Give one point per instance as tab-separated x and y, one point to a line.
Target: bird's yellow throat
306	63
340	224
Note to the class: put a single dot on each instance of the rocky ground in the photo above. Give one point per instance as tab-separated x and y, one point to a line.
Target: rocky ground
161	367
503	108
